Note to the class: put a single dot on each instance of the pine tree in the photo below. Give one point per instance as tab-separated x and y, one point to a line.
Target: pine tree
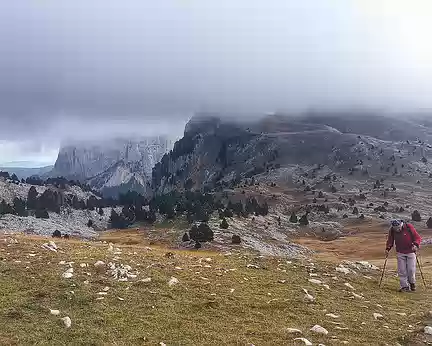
224	224
32	198
19	207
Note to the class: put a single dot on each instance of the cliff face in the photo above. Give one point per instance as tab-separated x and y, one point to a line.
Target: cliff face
215	151
107	166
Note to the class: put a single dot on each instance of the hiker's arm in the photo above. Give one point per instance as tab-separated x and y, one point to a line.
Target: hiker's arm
416	237
390	241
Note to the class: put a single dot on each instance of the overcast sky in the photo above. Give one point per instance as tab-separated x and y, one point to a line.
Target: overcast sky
79	68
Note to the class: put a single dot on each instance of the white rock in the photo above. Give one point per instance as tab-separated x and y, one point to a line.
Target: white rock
305	341
332	315
232	290
106	289
52	244
377	316
252	266
70	270
146	280
428	330
315	281
343	270
173	281
347	284
162	344
313	274
326	286
48	247
55	312
121	299
67	275
355	295
308	297
62	262
83	265
102	293
99	264
293	331
401	313
67	321
319	330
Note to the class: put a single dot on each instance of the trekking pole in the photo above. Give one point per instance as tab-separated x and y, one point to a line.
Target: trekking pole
382	275
420	268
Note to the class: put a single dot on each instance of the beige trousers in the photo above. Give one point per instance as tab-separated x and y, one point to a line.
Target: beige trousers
406	268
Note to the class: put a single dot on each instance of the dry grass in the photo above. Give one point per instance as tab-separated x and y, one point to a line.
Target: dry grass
201	310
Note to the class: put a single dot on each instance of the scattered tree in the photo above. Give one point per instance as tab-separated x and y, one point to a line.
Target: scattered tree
224	224
415	216
235	239
304	220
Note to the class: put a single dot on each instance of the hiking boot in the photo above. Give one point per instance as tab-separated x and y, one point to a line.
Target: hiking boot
413	287
404	289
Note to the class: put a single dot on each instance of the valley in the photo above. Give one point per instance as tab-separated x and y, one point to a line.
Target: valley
224	240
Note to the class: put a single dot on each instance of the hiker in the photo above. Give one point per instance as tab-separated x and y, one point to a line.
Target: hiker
407	243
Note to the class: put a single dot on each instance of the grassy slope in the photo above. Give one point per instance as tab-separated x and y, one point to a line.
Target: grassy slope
201	310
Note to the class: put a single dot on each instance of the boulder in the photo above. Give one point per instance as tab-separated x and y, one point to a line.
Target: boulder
236	239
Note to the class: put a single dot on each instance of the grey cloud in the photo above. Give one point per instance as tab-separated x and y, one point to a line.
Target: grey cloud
88	68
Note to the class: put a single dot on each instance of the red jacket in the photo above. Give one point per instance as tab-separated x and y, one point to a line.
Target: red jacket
405	239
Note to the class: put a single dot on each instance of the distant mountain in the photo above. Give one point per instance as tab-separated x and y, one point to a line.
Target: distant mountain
112	166
220	151
24	172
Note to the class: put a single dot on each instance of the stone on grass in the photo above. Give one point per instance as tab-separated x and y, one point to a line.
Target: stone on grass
332	315
347	284
67	275
315	281
99	264
428	330
173	281
293	331
305	341
377	316
55	312
319	330
308	297
342	269
67	321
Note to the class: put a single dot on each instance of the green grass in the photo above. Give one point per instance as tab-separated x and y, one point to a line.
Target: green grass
200	310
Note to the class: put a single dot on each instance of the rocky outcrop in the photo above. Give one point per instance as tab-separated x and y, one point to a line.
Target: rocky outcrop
115	166
221	152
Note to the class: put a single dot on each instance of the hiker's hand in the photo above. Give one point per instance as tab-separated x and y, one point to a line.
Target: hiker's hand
414	248
387	252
